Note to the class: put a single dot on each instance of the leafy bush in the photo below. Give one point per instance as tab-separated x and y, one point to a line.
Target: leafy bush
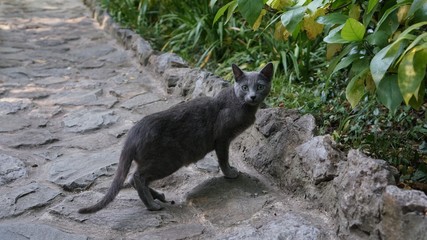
335	59
383	44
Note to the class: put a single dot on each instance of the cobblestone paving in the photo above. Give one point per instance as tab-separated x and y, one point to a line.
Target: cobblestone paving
68	95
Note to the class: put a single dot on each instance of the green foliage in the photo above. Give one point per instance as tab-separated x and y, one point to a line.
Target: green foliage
341	60
390	35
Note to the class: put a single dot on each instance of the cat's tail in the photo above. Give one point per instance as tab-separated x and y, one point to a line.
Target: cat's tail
126	158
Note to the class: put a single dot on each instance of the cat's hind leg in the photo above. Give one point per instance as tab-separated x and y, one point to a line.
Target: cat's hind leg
154	193
157	195
145	193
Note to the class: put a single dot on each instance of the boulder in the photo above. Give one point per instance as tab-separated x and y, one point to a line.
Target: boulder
359	189
270	145
166	60
403	214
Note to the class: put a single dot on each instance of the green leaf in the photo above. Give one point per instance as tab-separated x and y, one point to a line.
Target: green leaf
417	4
338	58
383	59
334	36
221	11
404	34
356	88
379	38
371	5
418	100
332	19
388	93
353	30
411	72
291	18
314	5
345	62
231	10
250	9
385	17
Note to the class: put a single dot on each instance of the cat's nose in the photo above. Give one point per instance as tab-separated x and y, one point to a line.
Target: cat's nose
253	97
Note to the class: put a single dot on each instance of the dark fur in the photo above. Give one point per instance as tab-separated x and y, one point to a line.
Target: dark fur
163	142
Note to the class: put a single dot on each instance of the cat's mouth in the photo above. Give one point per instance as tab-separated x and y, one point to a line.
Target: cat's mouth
251	102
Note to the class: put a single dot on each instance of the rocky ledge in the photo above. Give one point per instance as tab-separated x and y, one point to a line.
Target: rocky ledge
69	94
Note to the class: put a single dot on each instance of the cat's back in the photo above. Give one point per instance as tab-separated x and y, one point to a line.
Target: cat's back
195	117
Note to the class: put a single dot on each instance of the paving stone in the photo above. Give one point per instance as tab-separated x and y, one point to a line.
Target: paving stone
46	112
180	231
11	168
13	105
87	98
213	194
209	163
140	100
81	169
85	120
22	231
119	215
89	142
10	123
28	138
18	200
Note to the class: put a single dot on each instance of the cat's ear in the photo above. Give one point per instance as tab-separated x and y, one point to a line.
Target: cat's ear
238	73
268	71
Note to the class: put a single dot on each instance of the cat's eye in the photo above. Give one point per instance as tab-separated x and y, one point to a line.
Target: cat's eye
260	87
245	88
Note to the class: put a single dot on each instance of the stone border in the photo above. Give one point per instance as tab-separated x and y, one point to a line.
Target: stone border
178	77
357	191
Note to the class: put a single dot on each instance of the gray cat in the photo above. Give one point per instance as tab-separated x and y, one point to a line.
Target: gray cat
163	142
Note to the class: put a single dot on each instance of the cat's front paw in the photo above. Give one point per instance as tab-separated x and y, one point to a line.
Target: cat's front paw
231	173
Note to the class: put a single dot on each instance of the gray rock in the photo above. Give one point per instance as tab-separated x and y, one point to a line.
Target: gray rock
158	106
28	138
174	232
85	120
45	112
50	81
319	159
22	231
140	100
270	145
191	83
10	123
95	141
214	194
403	214
172	76
120	215
91	52
81	169
86	98
209	163
11	168
207	84
165	61
143	50
17	200
359	190
31	92
13	105
296	228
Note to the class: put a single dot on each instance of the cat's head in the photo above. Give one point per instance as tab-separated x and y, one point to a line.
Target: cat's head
252	87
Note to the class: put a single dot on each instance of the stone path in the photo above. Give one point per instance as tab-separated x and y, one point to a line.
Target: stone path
68	95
